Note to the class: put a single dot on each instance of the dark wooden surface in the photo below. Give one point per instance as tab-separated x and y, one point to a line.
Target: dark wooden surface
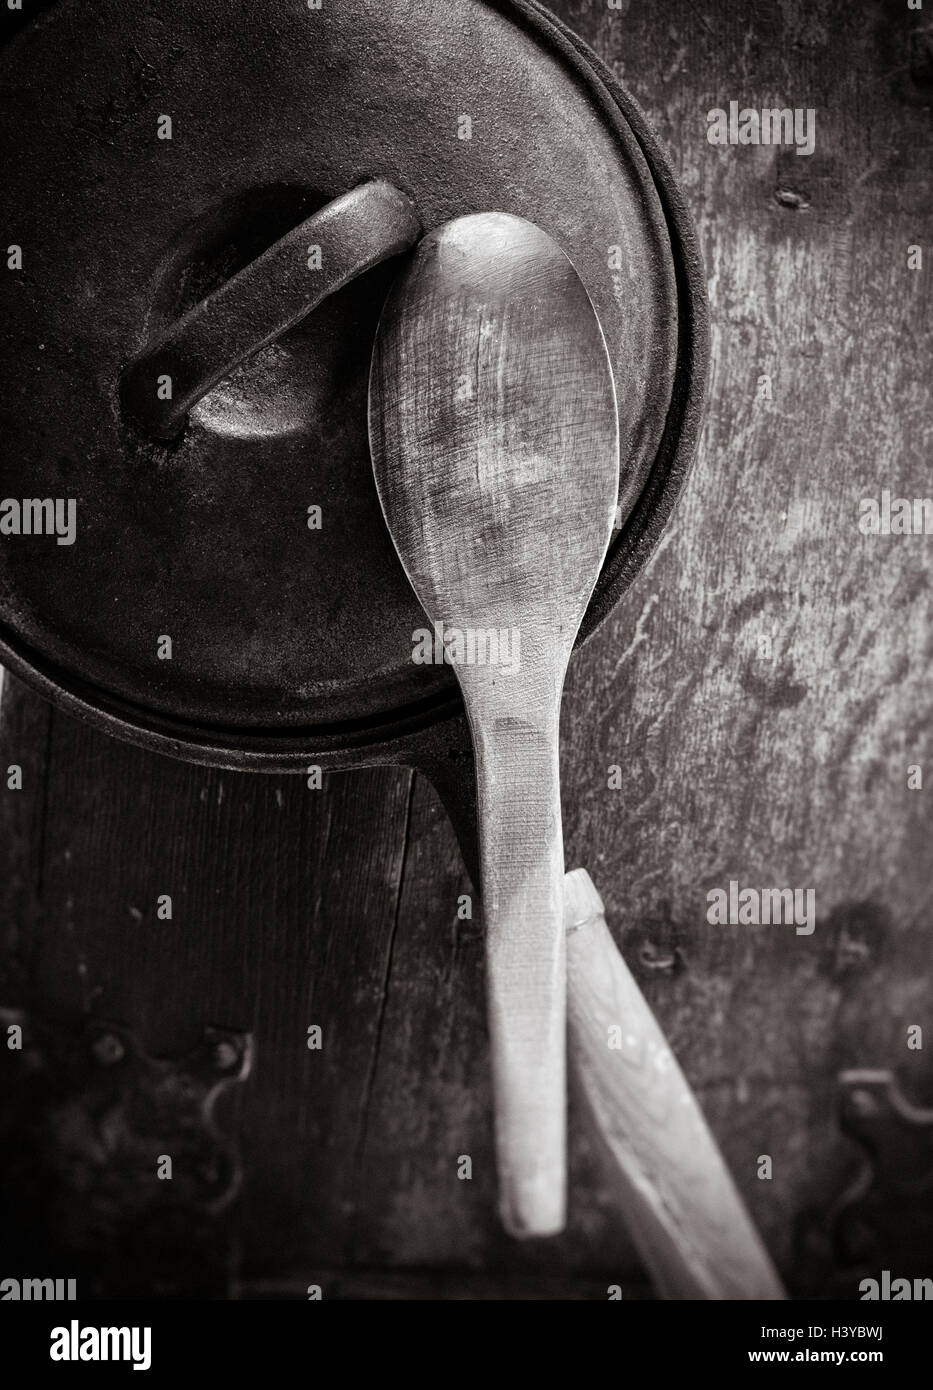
339	907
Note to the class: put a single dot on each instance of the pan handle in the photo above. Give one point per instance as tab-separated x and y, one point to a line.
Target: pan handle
357	231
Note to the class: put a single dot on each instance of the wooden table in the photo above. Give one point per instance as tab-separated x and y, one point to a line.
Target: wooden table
338	907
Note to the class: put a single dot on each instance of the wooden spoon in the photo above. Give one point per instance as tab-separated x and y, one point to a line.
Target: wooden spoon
495	445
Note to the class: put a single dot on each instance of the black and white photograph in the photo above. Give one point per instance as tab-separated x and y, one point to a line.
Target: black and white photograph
466	672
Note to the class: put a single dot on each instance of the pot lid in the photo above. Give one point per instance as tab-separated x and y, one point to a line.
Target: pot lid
283	628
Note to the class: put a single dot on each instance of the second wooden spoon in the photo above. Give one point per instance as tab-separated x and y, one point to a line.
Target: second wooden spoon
495	445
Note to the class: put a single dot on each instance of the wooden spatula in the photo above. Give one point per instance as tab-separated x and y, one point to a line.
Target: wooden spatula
494	438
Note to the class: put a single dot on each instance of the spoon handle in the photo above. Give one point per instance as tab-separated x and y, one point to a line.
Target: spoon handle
683	1210
522	870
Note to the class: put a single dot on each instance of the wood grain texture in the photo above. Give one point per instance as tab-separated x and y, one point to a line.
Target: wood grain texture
792	771
495	445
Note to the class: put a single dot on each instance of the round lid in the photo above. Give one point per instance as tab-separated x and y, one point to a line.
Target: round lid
151	153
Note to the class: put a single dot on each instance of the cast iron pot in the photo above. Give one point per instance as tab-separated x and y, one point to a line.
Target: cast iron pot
290	646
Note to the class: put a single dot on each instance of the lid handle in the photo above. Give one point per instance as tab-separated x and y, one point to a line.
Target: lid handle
357	231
